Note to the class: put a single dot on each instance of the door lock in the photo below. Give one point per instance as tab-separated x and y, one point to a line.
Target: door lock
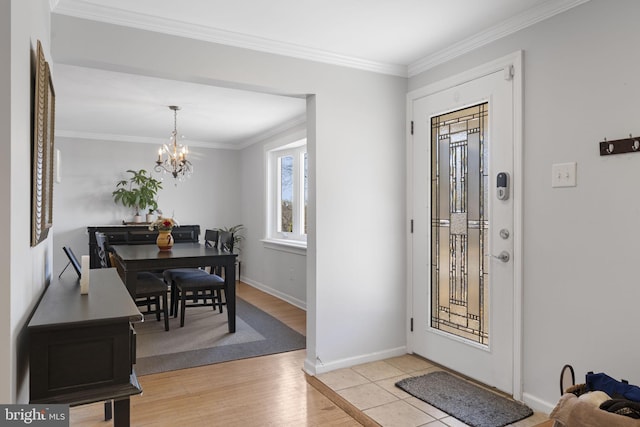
502	256
502	186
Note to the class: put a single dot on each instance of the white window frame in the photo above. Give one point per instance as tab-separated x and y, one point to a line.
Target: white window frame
297	238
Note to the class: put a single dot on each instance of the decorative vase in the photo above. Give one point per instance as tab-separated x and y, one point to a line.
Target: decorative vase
164	240
150	218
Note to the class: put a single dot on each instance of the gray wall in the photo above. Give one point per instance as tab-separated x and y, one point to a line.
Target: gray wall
580	244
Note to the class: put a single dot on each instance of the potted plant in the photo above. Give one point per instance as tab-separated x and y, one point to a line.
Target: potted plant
237	236
138	192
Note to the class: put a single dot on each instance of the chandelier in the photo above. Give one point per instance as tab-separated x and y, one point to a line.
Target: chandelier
172	157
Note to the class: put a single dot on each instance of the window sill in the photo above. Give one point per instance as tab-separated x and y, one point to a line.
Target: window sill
297	247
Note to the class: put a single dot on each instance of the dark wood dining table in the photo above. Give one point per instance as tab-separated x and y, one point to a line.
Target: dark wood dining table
132	259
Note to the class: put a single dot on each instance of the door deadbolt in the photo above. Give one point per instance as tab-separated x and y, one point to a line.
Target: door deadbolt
502	256
504	233
502	186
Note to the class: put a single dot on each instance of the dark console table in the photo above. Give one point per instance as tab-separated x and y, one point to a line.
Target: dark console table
136	235
82	347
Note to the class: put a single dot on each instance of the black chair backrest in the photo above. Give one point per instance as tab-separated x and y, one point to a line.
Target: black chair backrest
211	238
225	240
101	241
73	260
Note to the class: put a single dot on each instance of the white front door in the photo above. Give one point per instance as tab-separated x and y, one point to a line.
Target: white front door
462	245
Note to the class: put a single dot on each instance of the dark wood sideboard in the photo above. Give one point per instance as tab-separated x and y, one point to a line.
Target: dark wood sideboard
82	347
135	235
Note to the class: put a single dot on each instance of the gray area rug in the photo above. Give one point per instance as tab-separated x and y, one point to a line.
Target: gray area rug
205	339
465	401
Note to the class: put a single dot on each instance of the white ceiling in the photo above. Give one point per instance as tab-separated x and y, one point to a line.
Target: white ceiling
397	37
100	104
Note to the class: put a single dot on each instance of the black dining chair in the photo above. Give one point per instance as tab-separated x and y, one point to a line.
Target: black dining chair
169	276
150	290
199	288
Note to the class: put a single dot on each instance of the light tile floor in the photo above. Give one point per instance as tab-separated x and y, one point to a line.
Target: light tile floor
371	389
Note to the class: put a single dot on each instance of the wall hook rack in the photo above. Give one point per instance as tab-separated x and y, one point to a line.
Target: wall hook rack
620	146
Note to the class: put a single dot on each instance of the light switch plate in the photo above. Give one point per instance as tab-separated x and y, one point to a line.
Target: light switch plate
563	174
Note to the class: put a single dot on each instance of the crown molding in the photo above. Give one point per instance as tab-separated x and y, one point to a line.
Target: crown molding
233	145
530	17
116	16
112	15
94	136
289	125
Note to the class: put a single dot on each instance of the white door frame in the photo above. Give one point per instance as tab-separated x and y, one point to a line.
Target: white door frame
511	62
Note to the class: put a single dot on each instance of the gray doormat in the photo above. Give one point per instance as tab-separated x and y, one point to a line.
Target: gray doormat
465	401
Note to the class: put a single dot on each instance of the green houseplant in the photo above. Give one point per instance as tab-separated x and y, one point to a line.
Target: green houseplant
138	192
238	237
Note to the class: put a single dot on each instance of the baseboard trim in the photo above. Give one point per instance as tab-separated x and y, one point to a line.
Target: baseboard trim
321	367
276	293
537	404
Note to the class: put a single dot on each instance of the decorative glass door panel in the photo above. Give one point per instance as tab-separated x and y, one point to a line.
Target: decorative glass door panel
459	223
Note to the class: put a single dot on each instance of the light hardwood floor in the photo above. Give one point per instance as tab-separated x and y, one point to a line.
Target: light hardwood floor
262	391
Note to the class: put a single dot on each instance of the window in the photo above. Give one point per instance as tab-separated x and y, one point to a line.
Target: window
287	193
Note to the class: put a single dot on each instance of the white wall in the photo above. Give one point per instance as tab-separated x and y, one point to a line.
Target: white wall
6	351
355	279
23	270
580	244
89	171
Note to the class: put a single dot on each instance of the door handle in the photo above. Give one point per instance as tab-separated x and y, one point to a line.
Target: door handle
502	256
